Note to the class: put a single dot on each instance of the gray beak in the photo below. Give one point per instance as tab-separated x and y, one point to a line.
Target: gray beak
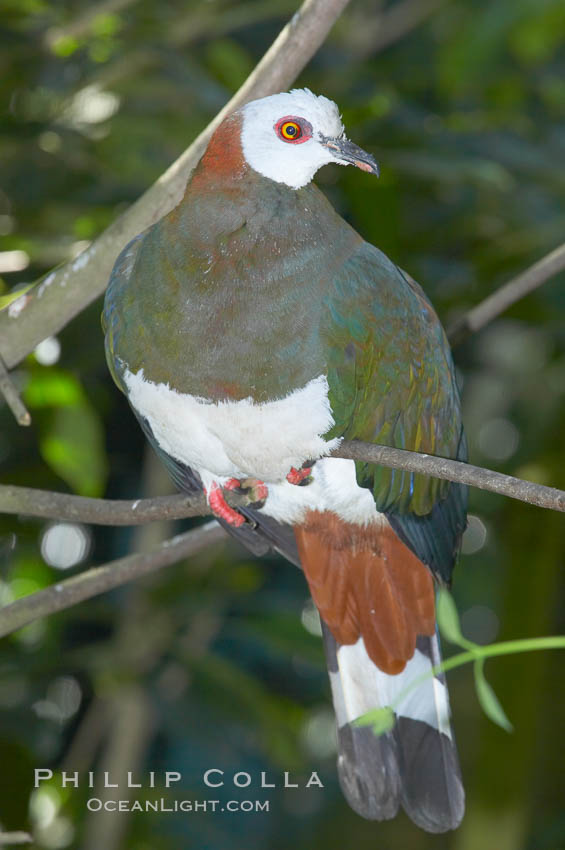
351	154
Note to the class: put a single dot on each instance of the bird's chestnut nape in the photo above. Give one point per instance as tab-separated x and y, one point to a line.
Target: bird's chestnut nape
294	130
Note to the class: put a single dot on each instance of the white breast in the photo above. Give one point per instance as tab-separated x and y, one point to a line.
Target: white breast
237	438
242	439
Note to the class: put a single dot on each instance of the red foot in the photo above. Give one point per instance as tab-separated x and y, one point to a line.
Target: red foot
231	484
257	490
221	508
297	476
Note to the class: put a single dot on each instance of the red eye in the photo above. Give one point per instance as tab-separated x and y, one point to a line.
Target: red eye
294	130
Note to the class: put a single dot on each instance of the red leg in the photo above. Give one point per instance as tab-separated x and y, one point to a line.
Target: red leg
258	490
221	508
297	476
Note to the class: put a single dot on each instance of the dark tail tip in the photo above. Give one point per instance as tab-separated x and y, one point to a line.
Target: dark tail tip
368	772
432	788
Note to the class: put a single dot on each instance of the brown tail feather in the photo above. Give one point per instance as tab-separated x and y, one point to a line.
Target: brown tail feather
366	582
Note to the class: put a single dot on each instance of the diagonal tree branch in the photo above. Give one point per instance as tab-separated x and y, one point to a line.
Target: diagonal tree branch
12	396
506	295
97	580
67	290
42	503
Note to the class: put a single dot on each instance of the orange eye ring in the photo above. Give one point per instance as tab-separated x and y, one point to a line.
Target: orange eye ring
293	130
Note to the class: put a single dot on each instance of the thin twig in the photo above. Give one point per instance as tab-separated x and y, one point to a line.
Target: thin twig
12	396
507	295
67	290
69	592
42	503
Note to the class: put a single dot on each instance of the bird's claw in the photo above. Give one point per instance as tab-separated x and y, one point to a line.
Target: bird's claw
255	490
220	507
300	477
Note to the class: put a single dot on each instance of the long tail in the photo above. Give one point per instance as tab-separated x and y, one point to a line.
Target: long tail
415	764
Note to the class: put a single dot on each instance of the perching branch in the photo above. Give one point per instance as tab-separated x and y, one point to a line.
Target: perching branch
41	503
454	470
61	506
507	295
69	592
65	292
99	579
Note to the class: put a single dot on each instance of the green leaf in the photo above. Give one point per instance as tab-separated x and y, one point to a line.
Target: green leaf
6	300
106	25
230	62
73	446
71	434
64	46
53	388
488	699
380	719
448	619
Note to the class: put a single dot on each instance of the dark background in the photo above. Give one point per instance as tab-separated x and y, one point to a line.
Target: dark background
209	663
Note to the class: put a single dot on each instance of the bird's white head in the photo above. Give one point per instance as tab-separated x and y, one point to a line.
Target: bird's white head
287	137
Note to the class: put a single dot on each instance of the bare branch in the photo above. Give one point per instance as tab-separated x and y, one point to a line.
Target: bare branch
12	396
69	592
42	503
454	470
507	295
49	505
99	579
46	309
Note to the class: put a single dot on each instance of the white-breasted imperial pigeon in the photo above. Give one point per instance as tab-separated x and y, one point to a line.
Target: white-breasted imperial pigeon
251	329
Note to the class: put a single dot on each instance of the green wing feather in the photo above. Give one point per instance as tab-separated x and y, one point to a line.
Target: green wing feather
391	377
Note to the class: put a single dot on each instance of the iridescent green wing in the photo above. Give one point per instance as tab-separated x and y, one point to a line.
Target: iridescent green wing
392	382
118	307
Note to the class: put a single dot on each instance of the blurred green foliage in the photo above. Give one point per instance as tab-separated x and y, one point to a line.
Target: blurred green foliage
72	437
465	112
